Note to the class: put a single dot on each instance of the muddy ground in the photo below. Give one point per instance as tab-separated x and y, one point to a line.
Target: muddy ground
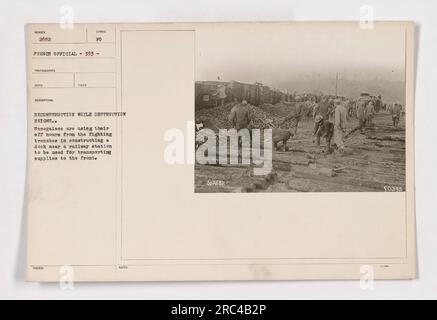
374	161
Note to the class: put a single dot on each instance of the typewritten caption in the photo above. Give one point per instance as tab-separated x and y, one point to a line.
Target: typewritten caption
55	141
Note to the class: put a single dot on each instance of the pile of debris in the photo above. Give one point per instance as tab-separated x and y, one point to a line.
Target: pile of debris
217	117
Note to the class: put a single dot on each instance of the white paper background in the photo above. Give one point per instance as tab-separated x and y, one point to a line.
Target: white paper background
14	14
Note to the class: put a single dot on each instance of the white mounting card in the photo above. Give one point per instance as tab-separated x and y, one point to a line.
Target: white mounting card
220	151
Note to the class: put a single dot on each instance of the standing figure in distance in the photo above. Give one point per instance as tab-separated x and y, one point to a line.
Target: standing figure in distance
396	111
340	122
370	111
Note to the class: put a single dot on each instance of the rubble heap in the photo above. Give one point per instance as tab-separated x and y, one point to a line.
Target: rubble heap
217	118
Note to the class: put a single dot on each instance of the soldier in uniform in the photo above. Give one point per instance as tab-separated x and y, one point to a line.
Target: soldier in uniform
396	111
240	116
221	95
296	115
370	112
378	105
323	129
361	114
340	122
240	119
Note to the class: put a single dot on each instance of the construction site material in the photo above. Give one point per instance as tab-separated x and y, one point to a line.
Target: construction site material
323	171
217	118
387	138
369	164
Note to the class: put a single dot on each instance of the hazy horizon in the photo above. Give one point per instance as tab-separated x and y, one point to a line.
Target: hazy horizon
274	54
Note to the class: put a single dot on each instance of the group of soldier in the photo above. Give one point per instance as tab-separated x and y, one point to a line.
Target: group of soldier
330	115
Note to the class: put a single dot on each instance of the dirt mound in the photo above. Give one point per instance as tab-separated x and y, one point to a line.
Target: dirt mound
217	118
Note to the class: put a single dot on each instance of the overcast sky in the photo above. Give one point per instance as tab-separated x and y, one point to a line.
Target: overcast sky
273	53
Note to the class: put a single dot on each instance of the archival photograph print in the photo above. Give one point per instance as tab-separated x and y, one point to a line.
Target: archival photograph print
300	108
